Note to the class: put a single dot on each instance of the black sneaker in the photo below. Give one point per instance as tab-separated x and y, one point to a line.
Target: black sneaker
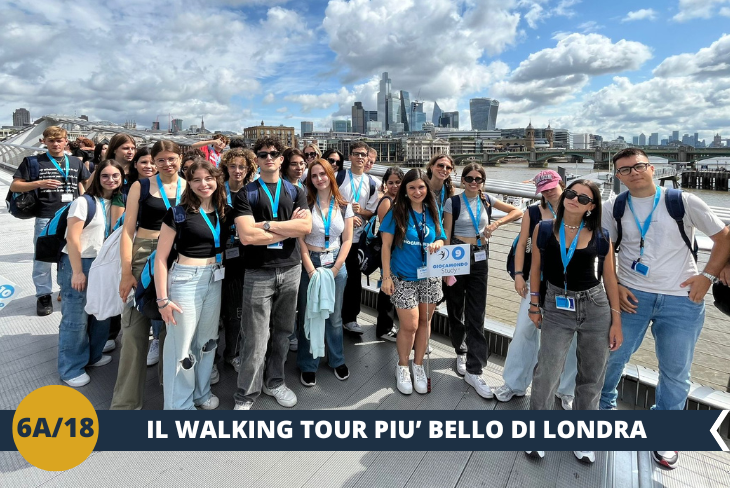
308	378
342	373
44	306
391	335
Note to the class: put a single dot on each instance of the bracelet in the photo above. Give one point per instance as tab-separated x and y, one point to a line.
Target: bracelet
386	278
534	293
617	311
161	299
534	304
518	273
165	305
532	312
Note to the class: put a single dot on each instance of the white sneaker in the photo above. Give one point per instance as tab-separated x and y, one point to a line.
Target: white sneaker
566	401
461	364
105	359
236	363
210	404
420	381
284	396
81	380
110	345
215	376
153	355
536	454
504	393
403	379
243	406
585	456
479	385
353	327
293	344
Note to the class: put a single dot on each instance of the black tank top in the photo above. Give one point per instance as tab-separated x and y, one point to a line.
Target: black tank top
151	212
581	269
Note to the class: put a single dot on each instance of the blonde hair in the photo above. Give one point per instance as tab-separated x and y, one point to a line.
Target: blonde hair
55	132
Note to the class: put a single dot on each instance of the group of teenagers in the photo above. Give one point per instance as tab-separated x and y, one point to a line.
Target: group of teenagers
264	243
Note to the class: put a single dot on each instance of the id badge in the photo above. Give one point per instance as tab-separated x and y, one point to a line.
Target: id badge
232	252
326	258
565	303
67	197
480	256
276	245
640	268
422	272
219	273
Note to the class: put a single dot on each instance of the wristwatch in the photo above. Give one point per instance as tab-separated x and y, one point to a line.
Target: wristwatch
713	279
267	226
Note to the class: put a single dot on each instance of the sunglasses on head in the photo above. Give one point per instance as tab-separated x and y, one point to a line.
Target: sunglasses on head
582	199
472	179
309	155
264	154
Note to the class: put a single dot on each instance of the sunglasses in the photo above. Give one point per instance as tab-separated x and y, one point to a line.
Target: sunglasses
310	155
444	166
638	167
334	162
264	154
472	179
582	199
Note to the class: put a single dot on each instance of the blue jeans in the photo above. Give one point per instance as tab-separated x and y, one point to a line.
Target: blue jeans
676	324
333	325
522	356
42	278
81	337
189	350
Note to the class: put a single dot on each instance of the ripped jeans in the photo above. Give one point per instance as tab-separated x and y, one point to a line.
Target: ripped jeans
189	350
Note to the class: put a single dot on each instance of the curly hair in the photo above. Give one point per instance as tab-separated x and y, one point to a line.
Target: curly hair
268	142
248	156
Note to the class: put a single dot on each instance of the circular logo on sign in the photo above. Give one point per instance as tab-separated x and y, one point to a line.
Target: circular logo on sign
6	291
458	253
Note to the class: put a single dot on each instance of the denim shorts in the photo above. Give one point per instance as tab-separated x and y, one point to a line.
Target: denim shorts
408	294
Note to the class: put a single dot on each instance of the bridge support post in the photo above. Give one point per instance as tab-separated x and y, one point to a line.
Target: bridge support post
532	162
598	160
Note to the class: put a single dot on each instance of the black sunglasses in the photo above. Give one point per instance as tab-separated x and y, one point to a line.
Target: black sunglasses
582	199
264	154
472	179
334	162
310	154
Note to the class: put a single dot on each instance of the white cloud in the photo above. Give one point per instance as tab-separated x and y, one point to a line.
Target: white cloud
697	9
536	13
725	11
268	98
643	14
708	62
282	110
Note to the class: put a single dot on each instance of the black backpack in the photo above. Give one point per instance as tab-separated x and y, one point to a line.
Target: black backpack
252	192
675	207
370	245
535	218
456	210
24	205
52	239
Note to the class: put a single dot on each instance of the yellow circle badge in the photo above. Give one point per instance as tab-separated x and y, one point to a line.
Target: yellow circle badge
55	428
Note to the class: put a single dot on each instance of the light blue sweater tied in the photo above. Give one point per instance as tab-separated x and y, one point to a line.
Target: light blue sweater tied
320	304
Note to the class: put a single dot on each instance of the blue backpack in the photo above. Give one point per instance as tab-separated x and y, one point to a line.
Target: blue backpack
24	205
52	238
675	207
535	218
252	192
145	293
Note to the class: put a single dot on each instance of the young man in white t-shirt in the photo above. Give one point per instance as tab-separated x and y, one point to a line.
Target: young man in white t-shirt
659	282
361	190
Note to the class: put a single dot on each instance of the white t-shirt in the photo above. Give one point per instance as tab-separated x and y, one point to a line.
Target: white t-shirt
366	201
337	226
378	182
92	237
668	257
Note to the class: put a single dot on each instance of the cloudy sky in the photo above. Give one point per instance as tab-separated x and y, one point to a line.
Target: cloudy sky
612	68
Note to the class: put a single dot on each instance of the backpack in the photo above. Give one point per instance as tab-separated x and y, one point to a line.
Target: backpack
545	232
370	245
456	210
721	295
145	293
52	238
535	218
252	191
144	194
675	207
23	205
340	178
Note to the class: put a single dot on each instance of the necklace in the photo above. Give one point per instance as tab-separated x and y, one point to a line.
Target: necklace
573	227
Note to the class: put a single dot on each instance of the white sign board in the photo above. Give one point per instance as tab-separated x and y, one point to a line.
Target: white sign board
449	261
9	291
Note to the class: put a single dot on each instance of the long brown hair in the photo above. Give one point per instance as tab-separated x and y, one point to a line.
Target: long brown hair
118	140
191	201
160	146
95	189
402	205
334	189
448	183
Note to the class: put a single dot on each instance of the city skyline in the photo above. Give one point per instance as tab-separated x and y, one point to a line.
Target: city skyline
616	69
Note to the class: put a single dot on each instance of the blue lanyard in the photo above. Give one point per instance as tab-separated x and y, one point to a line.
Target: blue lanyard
551	209
107	221
228	193
58	167
355	199
420	230
274	201
475	220
567	256
326	221
216	231
441	204
164	195
647	223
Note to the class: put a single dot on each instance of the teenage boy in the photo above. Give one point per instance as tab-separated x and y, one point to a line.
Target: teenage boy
362	191
213	148
268	224
659	282
372	157
59	182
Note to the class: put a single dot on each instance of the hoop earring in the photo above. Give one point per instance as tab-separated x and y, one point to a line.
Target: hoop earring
588	213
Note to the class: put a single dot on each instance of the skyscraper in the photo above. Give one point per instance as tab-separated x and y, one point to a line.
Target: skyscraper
483	113
642	139
177	125
697	140
436	118
359	123
418	117
383	98
405	112
449	120
654	139
341	126
635	141
307	127
21	117
675	136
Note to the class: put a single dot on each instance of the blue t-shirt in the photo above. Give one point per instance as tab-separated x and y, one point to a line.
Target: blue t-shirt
407	258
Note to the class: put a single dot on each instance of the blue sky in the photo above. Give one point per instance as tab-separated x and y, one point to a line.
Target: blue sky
612	68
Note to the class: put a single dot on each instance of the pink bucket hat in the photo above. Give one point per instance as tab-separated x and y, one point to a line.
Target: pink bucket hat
546	180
